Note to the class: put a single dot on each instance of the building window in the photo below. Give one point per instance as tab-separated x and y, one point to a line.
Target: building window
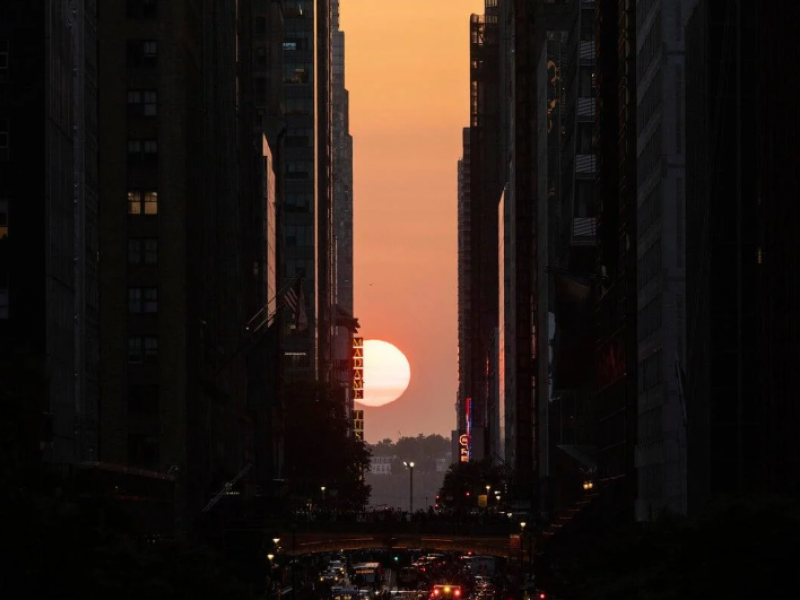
142	103
143	251
4	135
142	53
3	61
143	300
299	169
142	9
135	350
143	451
296	73
261	57
142	151
150	348
3	219
142	349
4	302
142	203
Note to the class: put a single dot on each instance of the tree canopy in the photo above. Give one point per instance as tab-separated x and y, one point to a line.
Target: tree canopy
464	481
319	450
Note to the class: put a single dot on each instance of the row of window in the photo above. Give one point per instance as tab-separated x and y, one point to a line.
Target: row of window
142	202
142	349
143	251
142	151
142	103
142	53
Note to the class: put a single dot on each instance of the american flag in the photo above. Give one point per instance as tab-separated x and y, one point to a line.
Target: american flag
293	298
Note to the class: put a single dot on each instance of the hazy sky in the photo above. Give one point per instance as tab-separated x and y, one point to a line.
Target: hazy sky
407	69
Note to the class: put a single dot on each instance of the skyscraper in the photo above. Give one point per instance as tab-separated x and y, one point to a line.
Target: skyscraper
48	226
174	378
306	233
660	127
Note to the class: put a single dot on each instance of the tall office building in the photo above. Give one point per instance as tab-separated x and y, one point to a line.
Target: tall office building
307	218
660	250
485	186
48	226
343	171
616	305
173	315
464	282
345	340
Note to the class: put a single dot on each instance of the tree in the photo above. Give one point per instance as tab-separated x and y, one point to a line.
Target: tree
465	481
319	450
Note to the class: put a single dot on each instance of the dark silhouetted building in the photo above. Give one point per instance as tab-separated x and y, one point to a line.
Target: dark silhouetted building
48	227
617	368
172	225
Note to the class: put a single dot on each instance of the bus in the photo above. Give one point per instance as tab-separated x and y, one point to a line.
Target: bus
368	573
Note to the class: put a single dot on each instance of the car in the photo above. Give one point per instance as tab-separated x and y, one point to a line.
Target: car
446	591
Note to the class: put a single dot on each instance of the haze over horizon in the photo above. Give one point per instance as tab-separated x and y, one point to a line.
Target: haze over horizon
407	70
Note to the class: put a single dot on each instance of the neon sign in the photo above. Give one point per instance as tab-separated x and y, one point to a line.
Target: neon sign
358	368
463	447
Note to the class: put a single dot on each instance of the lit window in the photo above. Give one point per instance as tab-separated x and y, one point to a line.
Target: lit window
151	203
4	300
3	219
142	203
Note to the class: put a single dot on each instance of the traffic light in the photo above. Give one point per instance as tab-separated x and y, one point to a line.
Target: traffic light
542	596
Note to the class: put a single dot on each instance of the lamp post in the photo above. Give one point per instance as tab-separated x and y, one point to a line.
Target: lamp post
322	489
410	466
521	542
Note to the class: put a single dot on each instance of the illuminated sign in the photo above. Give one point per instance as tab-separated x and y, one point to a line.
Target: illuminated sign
358	424
358	369
463	447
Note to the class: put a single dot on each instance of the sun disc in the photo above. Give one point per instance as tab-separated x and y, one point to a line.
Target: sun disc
387	373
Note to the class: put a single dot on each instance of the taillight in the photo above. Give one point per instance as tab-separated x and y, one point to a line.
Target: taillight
542	596
436	592
457	593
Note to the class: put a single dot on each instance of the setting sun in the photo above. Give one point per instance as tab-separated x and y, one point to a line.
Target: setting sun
387	373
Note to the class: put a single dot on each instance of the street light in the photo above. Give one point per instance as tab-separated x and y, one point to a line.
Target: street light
322	489
276	540
410	466
270	557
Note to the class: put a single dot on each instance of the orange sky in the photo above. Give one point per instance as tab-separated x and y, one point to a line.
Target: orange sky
407	69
